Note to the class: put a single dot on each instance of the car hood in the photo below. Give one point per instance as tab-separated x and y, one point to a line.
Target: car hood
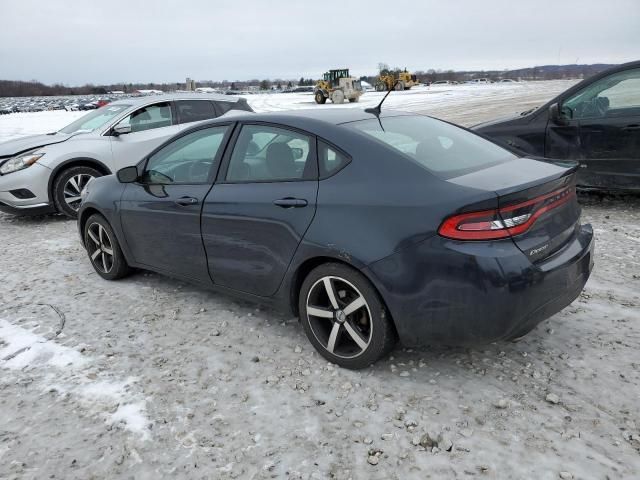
19	145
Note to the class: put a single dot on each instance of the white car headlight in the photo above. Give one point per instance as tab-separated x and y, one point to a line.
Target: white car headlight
20	162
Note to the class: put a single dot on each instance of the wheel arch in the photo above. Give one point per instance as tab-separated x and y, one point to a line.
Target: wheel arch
309	264
84	216
75	162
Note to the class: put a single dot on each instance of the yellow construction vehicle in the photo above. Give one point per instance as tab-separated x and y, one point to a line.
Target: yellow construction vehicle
338	86
402	81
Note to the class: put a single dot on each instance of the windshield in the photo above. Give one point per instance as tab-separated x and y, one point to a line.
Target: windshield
95	119
443	149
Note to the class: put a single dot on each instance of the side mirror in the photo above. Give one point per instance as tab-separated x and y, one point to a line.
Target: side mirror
127	174
555	116
120	130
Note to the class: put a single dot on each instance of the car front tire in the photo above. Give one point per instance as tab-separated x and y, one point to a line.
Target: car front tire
344	317
104	249
67	188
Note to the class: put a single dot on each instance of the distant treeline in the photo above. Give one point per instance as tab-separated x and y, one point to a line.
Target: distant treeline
10	88
33	88
544	72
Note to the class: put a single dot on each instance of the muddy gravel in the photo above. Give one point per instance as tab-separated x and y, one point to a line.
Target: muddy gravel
150	377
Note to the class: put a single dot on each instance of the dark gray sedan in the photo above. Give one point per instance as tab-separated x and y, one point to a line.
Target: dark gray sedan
370	228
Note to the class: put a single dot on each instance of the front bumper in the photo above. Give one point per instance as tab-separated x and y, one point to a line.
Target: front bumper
29	210
36	180
462	293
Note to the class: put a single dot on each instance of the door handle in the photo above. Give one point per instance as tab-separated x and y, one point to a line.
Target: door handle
186	201
290	202
632	127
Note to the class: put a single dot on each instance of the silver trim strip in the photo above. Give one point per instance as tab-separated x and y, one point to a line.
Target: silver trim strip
35	205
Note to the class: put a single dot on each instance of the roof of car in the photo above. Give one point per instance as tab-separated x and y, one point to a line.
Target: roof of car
333	116
145	99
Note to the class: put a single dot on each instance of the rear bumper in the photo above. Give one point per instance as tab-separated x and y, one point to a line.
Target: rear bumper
461	293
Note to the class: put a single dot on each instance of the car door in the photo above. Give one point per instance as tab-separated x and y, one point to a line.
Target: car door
160	213
256	214
602	123
150	126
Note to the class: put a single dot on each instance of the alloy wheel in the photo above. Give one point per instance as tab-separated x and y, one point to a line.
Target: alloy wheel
339	317
73	188
100	248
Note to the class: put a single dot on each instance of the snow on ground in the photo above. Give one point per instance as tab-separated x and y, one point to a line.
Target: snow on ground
16	125
154	378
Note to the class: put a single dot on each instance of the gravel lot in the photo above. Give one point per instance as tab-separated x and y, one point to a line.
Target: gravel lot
153	378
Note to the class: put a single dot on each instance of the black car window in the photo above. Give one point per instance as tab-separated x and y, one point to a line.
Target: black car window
194	110
188	160
441	148
616	94
266	154
330	159
241	104
153	116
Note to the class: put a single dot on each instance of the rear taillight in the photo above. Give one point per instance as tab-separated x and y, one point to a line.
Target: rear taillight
504	222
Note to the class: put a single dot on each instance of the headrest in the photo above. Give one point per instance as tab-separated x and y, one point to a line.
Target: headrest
280	161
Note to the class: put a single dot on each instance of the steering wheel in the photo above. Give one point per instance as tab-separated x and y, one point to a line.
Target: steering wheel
199	170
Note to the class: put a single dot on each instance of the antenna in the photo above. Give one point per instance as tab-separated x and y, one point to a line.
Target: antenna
378	109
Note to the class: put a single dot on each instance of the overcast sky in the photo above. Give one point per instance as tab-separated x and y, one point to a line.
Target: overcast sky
76	42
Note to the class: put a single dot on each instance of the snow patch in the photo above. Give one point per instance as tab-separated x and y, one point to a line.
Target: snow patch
133	417
24	349
21	349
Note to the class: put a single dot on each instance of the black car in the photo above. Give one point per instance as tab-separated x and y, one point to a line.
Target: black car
596	122
368	227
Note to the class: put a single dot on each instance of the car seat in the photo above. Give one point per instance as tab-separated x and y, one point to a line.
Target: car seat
280	161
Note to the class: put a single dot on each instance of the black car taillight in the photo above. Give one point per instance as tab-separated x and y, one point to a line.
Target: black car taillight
504	222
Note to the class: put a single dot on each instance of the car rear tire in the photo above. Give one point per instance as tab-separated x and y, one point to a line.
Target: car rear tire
103	249
344	317
67	187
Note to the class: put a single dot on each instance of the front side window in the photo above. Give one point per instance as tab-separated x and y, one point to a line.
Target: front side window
443	149
95	119
153	116
615	95
188	160
194	110
267	154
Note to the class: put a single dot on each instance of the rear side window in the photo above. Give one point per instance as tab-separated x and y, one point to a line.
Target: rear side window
442	149
270	154
331	160
194	110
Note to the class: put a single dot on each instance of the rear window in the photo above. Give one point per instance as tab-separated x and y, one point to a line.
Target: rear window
443	149
224	107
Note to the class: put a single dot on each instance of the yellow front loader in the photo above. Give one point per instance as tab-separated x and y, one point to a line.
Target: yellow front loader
400	81
338	86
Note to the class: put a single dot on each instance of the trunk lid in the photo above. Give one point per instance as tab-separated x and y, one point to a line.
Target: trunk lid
536	193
